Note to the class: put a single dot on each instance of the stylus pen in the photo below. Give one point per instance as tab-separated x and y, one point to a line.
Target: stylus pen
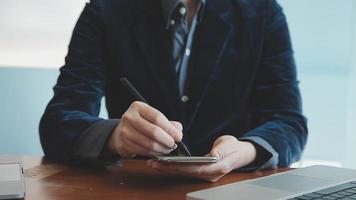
126	83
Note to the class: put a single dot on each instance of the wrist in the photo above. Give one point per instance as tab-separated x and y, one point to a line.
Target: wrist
249	154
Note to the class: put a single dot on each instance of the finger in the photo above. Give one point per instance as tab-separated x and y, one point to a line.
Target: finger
171	168
224	146
174	172
218	141
216	150
223	150
137	149
224	139
225	165
193	170
149	162
232	161
200	171
152	131
154	116
178	125
145	142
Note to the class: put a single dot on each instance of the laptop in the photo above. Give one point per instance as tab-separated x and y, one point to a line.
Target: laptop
315	182
12	184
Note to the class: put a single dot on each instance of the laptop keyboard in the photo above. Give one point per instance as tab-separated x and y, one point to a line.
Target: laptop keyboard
345	191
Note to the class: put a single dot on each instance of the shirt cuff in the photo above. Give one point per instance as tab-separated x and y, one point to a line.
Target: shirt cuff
92	142
267	156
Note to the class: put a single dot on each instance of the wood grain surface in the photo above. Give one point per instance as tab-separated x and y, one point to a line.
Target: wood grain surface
130	180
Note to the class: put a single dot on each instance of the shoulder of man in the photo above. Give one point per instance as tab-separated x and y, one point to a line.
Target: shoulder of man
114	8
252	8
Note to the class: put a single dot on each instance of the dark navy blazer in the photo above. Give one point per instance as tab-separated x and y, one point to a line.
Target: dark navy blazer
242	75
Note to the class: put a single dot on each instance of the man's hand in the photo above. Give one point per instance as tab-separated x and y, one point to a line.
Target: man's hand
143	130
233	154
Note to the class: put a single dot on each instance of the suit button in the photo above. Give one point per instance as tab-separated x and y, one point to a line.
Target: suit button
187	52
182	10
185	99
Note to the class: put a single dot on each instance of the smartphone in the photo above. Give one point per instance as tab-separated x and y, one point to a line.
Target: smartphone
185	159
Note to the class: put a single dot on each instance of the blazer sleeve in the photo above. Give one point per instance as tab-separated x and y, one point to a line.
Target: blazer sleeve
276	104
80	87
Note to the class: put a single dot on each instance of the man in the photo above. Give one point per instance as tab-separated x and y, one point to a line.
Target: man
220	71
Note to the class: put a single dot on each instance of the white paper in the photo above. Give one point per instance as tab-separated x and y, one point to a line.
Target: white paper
10	172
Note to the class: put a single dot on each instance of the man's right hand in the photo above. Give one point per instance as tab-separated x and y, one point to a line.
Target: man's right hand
143	130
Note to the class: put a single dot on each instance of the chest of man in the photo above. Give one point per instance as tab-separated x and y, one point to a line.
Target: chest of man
221	72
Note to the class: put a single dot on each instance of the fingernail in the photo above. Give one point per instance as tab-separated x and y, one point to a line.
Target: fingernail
175	146
177	133
216	154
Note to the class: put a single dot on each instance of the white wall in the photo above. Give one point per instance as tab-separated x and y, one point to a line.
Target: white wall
350	156
322	36
35	33
321	33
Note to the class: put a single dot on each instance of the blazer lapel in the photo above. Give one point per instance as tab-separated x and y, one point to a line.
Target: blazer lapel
211	39
153	40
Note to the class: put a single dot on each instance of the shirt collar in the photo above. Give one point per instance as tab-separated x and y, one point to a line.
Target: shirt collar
170	5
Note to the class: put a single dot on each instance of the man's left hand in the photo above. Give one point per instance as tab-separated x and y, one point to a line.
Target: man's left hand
233	154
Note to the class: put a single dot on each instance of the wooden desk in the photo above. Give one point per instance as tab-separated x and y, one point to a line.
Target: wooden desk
133	180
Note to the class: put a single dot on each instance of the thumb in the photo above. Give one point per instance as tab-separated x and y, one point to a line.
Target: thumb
216	152
178	125
223	146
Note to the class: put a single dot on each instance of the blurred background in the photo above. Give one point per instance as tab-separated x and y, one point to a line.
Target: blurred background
34	35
